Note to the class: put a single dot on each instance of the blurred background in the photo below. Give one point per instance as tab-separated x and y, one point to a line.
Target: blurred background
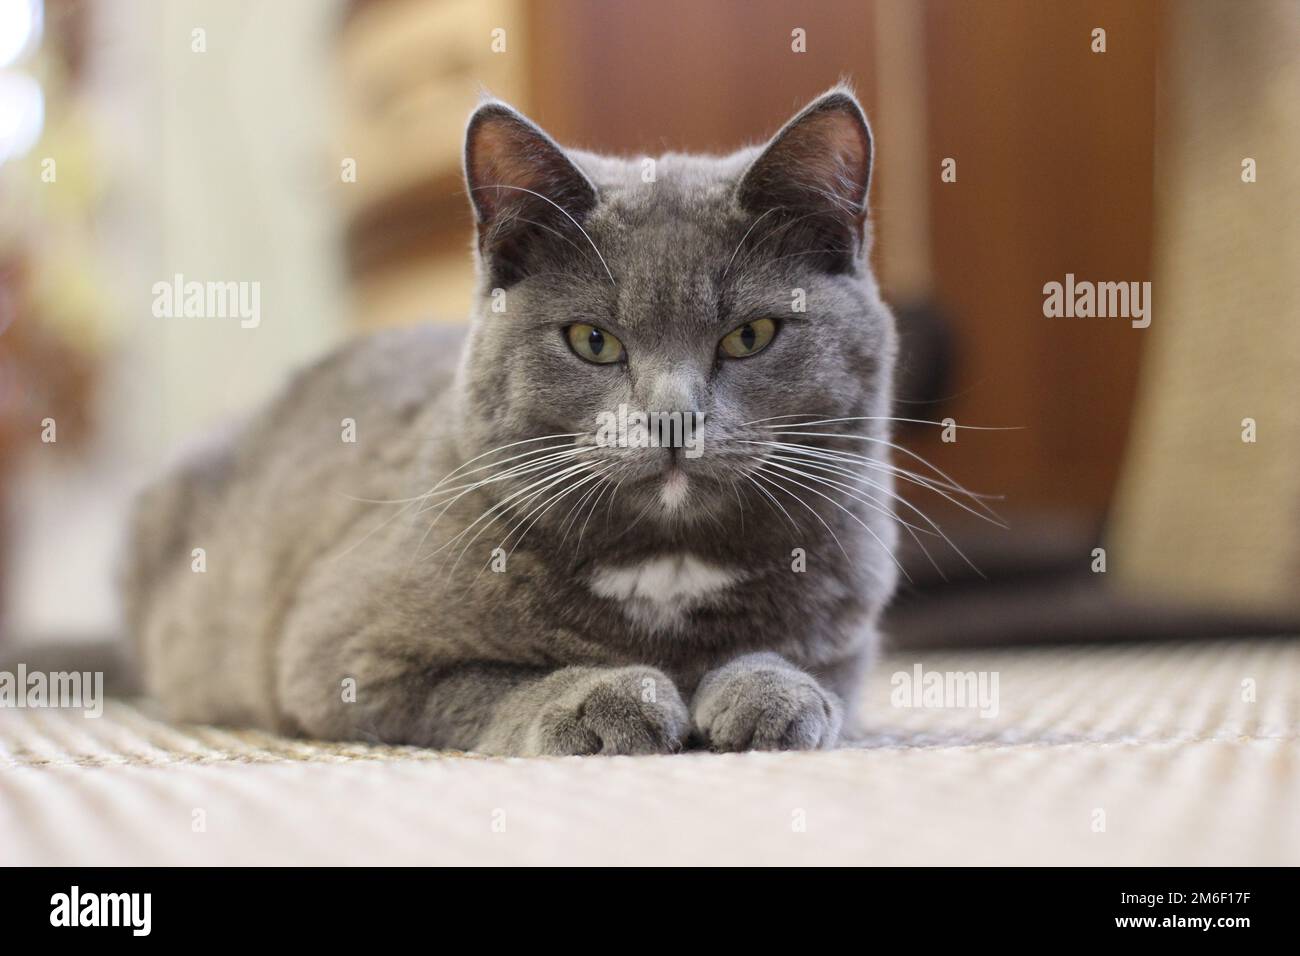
1152	484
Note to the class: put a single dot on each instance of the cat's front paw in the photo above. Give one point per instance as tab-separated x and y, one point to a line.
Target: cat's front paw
627	710
761	702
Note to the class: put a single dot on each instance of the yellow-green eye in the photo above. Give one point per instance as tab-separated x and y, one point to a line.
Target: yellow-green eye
593	344
750	339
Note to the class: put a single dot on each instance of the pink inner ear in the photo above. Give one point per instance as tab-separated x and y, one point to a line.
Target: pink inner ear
505	151
500	156
830	151
821	161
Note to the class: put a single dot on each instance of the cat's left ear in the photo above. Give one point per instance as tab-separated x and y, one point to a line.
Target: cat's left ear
818	167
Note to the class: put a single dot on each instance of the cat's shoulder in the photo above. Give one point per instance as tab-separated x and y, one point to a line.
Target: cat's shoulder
383	353
398	365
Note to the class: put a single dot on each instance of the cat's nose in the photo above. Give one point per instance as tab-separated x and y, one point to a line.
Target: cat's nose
676	390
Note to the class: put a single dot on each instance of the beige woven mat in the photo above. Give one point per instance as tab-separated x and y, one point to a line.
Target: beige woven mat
1136	754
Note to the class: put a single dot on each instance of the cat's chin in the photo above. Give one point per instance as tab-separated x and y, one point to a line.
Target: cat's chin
680	498
671	496
675	489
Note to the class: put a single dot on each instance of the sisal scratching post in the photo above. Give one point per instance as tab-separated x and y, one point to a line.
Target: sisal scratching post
1204	515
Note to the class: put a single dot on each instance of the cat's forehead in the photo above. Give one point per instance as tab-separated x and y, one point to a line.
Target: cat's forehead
671	215
667	230
649	189
665	227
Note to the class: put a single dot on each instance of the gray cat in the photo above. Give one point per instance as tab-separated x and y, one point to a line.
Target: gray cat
477	569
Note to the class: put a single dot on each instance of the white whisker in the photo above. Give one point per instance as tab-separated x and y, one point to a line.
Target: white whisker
575	222
922	481
862	523
518	471
492	451
906	451
772	501
544	507
566	469
769	479
854	493
746	236
892	418
910	527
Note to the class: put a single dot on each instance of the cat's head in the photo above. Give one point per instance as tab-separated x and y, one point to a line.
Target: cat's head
732	289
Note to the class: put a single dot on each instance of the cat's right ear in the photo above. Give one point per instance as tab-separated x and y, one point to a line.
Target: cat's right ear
521	185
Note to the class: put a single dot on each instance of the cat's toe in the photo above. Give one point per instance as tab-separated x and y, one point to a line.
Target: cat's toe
768	709
631	710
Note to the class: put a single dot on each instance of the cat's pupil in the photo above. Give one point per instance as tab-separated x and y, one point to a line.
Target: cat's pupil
748	337
596	342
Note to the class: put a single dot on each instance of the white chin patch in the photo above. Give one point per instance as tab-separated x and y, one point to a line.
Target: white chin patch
658	593
674	490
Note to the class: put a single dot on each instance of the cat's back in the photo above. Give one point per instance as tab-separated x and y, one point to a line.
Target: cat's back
390	374
219	542
349	411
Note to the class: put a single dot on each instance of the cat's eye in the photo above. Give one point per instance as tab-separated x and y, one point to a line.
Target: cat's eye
593	344
750	339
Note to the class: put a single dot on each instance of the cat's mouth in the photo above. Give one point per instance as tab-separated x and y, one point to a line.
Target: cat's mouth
666	478
674	485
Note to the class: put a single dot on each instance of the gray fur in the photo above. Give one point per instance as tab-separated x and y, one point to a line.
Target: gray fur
309	584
